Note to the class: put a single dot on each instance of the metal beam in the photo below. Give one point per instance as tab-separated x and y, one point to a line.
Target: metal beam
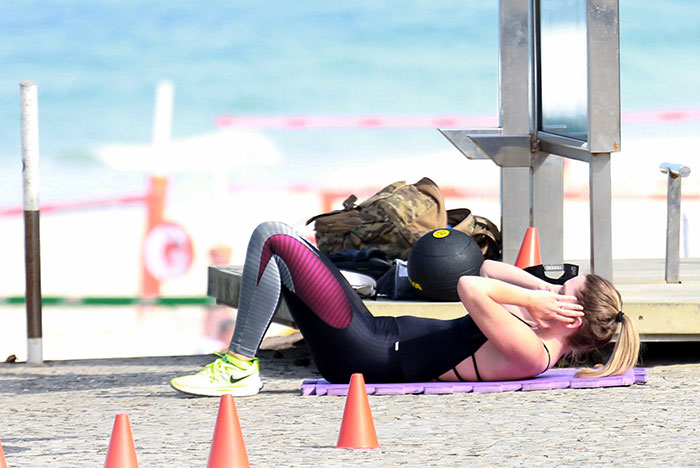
504	150
461	139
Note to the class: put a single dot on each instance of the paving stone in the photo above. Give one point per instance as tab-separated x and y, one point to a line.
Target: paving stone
62	413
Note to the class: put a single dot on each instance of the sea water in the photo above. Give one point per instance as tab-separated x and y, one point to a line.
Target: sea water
97	64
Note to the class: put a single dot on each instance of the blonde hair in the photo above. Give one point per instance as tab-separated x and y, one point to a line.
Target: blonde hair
601	305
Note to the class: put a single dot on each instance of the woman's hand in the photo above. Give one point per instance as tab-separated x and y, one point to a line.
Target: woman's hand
548	307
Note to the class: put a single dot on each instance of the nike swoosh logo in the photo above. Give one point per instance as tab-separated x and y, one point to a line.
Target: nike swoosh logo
235	381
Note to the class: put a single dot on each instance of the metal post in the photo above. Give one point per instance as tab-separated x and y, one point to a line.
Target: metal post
603	54
32	260
600	194
515	209
514	116
673	218
548	205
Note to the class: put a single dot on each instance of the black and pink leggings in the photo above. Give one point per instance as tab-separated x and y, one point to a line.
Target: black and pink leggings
342	335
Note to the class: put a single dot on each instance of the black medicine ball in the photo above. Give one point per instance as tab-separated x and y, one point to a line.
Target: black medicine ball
439	259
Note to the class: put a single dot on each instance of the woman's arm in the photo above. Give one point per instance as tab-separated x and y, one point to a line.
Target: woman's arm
483	299
514	275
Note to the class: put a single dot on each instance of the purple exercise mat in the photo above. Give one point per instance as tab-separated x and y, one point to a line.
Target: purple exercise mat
550	380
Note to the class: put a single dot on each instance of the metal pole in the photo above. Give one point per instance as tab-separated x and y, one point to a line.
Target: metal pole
548	205
515	209
673	233
514	116
673	219
32	260
600	194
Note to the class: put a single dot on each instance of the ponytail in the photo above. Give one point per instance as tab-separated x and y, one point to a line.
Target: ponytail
602	308
624	355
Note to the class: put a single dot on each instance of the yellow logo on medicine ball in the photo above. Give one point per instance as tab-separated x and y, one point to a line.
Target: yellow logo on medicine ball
415	285
440	233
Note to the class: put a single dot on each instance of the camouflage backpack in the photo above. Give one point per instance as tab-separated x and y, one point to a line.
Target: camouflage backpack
482	230
393	219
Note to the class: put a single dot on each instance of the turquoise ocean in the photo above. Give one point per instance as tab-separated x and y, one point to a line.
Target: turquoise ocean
96	64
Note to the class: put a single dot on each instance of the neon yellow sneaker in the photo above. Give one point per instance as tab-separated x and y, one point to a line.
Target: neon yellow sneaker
226	375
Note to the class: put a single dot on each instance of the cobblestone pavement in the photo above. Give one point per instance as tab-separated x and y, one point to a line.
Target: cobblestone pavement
61	414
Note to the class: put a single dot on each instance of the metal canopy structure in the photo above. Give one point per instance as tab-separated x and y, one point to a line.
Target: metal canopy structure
559	97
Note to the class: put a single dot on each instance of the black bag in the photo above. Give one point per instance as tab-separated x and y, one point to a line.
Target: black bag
371	261
568	271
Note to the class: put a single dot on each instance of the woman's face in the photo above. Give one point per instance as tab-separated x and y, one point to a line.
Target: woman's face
574	285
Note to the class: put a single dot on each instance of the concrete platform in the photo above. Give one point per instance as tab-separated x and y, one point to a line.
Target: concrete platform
663	312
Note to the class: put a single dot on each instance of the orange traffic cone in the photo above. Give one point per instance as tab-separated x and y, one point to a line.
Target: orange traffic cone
121	452
3	463
227	447
529	254
357	428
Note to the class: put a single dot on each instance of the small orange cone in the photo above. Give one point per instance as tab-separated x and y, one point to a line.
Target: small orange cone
227	447
121	452
357	428
3	463
529	254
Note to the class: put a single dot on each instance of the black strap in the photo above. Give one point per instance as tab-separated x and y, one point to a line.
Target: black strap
461	379
549	356
476	369
519	318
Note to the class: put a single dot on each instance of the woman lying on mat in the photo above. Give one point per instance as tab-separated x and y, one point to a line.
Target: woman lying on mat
517	327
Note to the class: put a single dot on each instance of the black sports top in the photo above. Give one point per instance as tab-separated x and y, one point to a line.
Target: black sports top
476	369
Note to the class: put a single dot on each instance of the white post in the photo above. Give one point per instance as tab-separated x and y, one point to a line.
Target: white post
32	260
163	115
158	181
